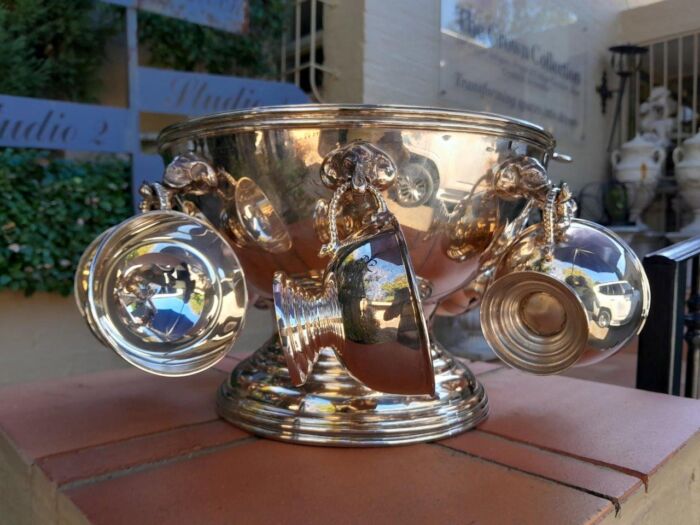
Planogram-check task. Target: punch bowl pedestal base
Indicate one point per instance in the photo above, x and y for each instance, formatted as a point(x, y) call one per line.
point(333, 409)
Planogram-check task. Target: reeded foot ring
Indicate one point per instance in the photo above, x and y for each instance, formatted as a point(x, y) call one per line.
point(333, 409)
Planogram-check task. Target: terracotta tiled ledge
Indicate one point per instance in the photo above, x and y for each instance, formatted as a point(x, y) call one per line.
point(126, 448)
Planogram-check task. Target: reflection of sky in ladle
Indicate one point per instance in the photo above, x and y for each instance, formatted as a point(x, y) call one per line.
point(595, 253)
point(595, 265)
point(382, 277)
point(389, 278)
point(161, 294)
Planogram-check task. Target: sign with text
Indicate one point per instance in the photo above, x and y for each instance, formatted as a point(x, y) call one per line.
point(182, 93)
point(518, 58)
point(228, 15)
point(38, 123)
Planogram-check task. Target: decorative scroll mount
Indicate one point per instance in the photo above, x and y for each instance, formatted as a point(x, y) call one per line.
point(358, 167)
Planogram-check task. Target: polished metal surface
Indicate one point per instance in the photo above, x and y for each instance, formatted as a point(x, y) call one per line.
point(460, 185)
point(81, 281)
point(367, 310)
point(283, 150)
point(359, 163)
point(574, 305)
point(351, 116)
point(361, 222)
point(165, 291)
point(333, 409)
point(258, 221)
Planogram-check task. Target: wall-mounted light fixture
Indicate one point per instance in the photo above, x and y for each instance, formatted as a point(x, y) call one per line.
point(625, 60)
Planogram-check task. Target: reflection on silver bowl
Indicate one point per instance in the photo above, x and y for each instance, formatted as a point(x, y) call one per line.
point(367, 310)
point(166, 292)
point(274, 182)
point(461, 186)
point(576, 305)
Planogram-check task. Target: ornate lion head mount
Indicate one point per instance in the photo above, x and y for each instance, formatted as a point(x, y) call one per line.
point(190, 174)
point(521, 177)
point(359, 163)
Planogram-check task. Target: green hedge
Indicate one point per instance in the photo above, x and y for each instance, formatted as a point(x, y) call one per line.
point(51, 210)
point(54, 48)
point(178, 44)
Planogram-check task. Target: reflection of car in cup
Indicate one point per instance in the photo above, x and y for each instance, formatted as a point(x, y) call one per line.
point(586, 293)
point(416, 181)
point(544, 311)
point(616, 302)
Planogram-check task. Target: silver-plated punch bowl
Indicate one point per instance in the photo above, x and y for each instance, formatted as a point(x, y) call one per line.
point(464, 187)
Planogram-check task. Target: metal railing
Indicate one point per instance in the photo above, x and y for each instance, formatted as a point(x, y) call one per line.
point(660, 357)
point(671, 63)
point(302, 50)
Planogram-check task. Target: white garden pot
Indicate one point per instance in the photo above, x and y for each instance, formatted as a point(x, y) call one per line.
point(686, 158)
point(638, 165)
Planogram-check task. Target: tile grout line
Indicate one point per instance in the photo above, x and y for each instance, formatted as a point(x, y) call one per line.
point(487, 372)
point(604, 466)
point(144, 467)
point(601, 465)
point(611, 499)
point(126, 439)
point(630, 472)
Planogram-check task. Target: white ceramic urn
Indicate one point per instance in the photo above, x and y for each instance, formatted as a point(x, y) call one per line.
point(638, 165)
point(686, 158)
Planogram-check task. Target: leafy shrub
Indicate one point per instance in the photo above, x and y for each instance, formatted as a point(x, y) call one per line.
point(54, 48)
point(177, 44)
point(51, 210)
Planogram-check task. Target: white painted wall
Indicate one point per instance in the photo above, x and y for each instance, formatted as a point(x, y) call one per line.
point(400, 43)
point(344, 49)
point(402, 51)
point(659, 20)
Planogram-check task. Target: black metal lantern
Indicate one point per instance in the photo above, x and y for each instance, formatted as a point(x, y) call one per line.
point(625, 60)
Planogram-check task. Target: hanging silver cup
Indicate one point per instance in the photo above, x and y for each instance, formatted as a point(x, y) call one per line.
point(81, 282)
point(564, 296)
point(163, 289)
